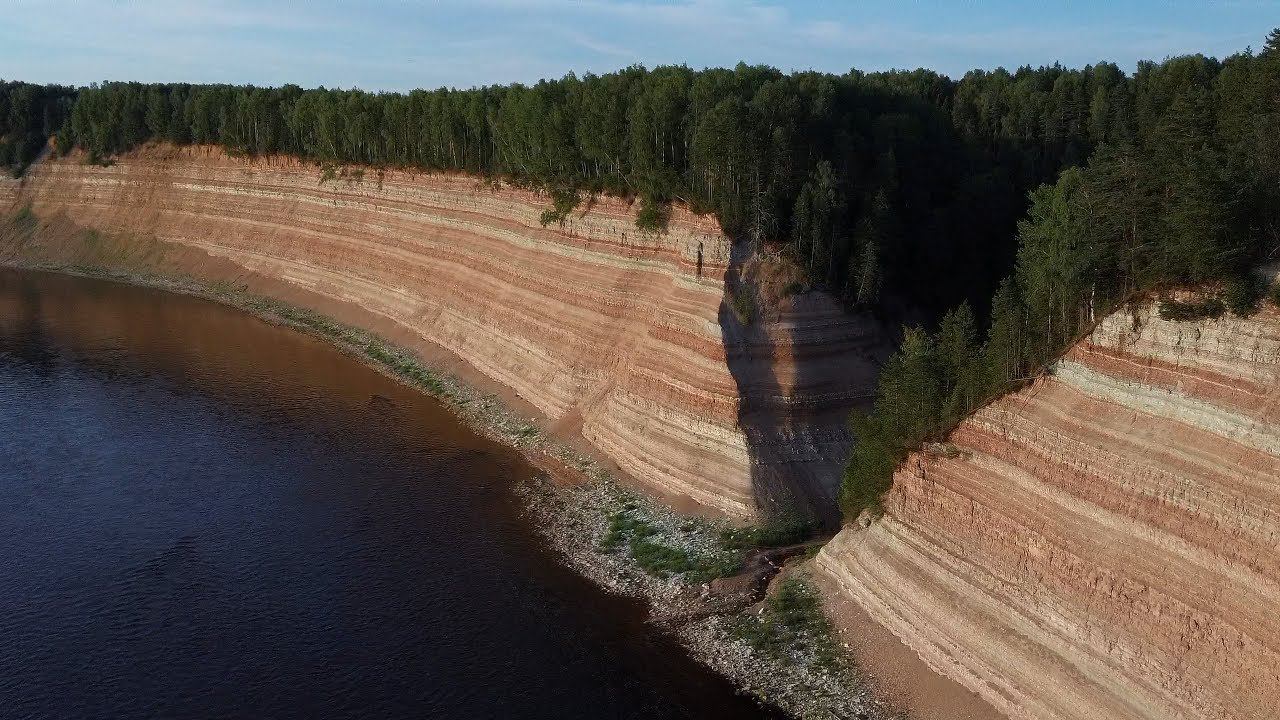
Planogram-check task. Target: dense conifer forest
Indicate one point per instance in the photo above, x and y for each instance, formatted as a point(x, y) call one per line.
point(29, 116)
point(1186, 194)
point(870, 180)
point(1011, 207)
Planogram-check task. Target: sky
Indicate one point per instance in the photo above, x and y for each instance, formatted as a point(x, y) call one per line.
point(400, 45)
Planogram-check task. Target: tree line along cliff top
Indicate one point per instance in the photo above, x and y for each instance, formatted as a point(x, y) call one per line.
point(1007, 209)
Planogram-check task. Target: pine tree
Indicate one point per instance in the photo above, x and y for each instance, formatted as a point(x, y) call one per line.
point(958, 363)
point(1005, 349)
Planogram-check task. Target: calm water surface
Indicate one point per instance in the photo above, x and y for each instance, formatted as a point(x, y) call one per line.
point(203, 515)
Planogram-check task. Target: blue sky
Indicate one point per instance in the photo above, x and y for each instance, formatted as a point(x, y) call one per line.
point(402, 45)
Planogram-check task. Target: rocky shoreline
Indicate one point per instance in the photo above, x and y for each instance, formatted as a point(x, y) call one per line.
point(573, 502)
point(575, 520)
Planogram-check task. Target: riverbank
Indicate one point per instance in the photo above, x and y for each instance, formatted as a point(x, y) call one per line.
point(685, 566)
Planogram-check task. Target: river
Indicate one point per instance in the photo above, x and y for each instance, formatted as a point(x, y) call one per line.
point(206, 515)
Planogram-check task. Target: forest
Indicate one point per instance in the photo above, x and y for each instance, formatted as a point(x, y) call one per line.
point(1189, 198)
point(870, 181)
point(1004, 210)
point(29, 116)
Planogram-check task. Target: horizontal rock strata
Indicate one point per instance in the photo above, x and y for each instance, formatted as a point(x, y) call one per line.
point(618, 334)
point(1104, 543)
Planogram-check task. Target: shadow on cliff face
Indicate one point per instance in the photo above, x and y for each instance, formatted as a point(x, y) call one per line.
point(801, 363)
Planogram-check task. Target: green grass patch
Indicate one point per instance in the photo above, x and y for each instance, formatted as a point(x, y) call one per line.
point(779, 532)
point(659, 558)
point(223, 289)
point(623, 527)
point(25, 219)
point(400, 362)
point(791, 623)
point(1176, 310)
point(743, 305)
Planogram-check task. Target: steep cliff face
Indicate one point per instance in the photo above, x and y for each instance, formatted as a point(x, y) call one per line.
point(620, 335)
point(1104, 543)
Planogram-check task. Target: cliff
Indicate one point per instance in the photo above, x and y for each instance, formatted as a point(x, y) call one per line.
point(620, 337)
point(1103, 543)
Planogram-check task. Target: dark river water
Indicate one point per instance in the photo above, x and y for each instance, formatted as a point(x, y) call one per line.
point(203, 515)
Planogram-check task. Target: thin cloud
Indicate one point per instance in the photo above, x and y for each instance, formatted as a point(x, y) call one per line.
point(596, 46)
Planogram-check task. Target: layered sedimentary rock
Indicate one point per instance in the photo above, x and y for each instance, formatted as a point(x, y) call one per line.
point(1104, 543)
point(611, 332)
point(9, 191)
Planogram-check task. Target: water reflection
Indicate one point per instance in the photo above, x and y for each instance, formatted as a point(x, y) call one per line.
point(205, 515)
